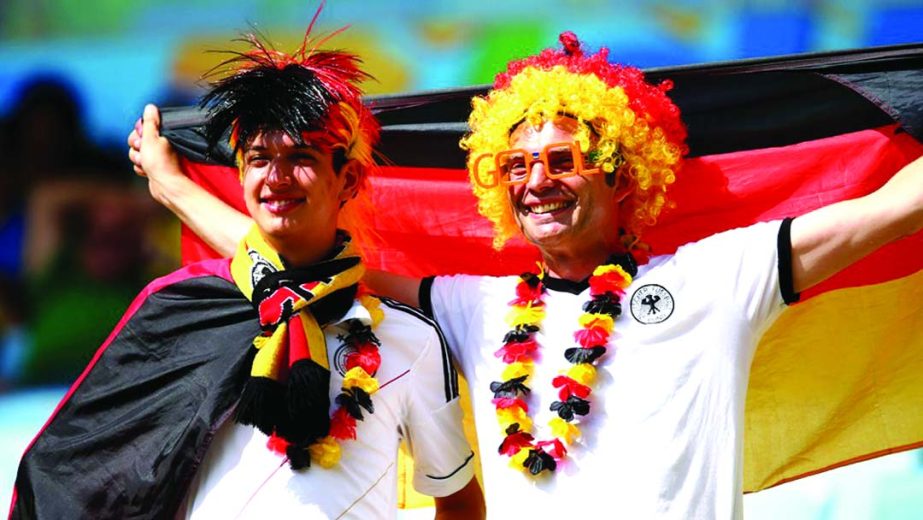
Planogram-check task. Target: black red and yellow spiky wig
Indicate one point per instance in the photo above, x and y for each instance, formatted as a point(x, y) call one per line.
point(312, 95)
point(629, 118)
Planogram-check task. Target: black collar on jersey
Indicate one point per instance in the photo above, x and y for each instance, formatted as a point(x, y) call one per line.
point(625, 260)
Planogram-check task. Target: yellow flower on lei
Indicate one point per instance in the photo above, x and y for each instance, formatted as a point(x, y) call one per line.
point(525, 315)
point(508, 416)
point(517, 369)
point(325, 452)
point(358, 377)
point(564, 430)
point(603, 321)
point(517, 461)
point(583, 373)
point(613, 268)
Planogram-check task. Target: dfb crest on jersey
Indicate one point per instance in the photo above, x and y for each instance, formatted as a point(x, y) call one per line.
point(651, 304)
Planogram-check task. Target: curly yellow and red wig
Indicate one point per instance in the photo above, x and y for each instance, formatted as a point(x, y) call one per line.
point(630, 119)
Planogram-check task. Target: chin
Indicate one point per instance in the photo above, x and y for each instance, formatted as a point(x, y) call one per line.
point(278, 228)
point(541, 237)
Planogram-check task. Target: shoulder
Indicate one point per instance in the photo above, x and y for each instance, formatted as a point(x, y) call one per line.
point(407, 325)
point(756, 231)
point(184, 290)
point(728, 243)
point(193, 300)
point(460, 287)
point(470, 279)
point(217, 272)
point(407, 333)
point(410, 325)
point(406, 315)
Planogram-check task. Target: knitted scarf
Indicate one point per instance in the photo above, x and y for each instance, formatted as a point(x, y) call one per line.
point(287, 394)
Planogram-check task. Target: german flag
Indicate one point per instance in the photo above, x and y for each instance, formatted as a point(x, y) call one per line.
point(836, 379)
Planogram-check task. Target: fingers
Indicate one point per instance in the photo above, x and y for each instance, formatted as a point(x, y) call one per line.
point(134, 140)
point(150, 128)
point(135, 157)
point(134, 149)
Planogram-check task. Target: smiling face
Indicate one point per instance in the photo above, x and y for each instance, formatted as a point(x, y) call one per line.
point(575, 215)
point(294, 195)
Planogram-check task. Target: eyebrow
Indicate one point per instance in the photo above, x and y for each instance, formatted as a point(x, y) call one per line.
point(299, 147)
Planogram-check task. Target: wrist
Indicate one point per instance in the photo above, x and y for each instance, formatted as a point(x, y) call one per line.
point(170, 187)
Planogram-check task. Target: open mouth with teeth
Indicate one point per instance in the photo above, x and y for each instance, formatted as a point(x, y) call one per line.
point(548, 207)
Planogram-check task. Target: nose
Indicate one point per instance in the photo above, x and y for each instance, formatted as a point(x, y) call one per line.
point(537, 180)
point(278, 177)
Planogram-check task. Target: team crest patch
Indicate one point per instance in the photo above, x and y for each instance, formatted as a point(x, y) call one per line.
point(339, 357)
point(651, 304)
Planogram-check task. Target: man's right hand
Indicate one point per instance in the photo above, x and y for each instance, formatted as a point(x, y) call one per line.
point(153, 157)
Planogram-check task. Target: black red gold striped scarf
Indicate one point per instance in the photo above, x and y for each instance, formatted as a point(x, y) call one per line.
point(287, 393)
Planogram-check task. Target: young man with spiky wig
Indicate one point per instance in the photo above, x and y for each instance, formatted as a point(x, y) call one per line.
point(618, 379)
point(270, 383)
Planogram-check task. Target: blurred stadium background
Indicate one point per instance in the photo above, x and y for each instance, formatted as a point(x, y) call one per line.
point(79, 236)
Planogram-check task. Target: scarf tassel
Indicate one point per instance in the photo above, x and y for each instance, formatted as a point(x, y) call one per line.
point(298, 456)
point(262, 404)
point(308, 402)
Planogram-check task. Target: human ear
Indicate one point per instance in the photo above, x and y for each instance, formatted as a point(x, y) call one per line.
point(624, 186)
point(351, 172)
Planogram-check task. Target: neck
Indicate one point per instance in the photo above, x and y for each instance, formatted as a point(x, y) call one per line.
point(303, 251)
point(573, 267)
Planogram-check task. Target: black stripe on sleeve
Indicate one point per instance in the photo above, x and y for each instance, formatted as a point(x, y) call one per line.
point(449, 374)
point(786, 280)
point(471, 456)
point(425, 296)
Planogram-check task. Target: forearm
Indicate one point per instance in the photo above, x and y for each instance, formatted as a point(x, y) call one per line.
point(470, 513)
point(465, 504)
point(900, 201)
point(218, 224)
point(831, 238)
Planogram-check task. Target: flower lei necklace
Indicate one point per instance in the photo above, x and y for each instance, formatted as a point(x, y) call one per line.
point(519, 353)
point(359, 384)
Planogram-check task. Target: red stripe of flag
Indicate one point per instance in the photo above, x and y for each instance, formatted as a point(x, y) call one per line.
point(427, 223)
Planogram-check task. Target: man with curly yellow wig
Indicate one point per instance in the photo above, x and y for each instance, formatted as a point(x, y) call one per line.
point(609, 382)
point(613, 383)
point(615, 117)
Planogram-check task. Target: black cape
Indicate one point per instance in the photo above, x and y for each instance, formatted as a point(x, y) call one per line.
point(128, 437)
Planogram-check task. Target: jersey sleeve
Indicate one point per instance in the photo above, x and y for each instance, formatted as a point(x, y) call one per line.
point(443, 460)
point(451, 301)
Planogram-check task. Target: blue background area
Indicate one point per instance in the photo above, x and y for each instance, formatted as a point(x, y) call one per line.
point(131, 57)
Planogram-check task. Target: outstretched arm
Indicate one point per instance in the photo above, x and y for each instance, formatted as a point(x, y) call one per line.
point(401, 288)
point(829, 239)
point(220, 225)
